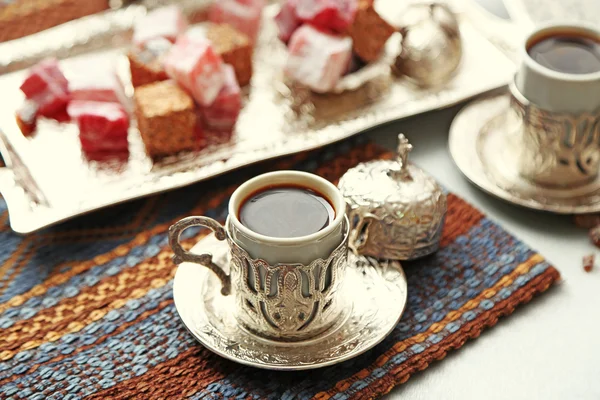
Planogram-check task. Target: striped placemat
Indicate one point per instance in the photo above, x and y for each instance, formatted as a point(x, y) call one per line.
point(86, 308)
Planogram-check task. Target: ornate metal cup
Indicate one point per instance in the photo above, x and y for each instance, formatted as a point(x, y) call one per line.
point(556, 148)
point(285, 288)
point(558, 140)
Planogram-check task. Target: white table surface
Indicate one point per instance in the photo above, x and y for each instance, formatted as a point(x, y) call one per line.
point(547, 349)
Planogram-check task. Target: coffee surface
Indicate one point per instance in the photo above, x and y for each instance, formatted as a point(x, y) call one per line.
point(286, 212)
point(568, 53)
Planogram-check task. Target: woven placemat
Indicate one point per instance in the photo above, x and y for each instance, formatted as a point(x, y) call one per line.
point(86, 309)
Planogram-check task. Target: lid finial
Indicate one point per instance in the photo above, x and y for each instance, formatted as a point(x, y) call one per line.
point(404, 147)
point(401, 172)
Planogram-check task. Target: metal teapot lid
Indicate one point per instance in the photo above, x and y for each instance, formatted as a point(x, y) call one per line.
point(388, 181)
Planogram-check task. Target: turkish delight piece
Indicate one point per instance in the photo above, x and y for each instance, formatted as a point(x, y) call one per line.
point(336, 15)
point(47, 71)
point(233, 46)
point(98, 85)
point(51, 101)
point(317, 59)
point(197, 67)
point(287, 20)
point(595, 235)
point(243, 15)
point(22, 18)
point(47, 87)
point(588, 262)
point(166, 117)
point(222, 114)
point(587, 221)
point(102, 126)
point(146, 64)
point(26, 117)
point(165, 22)
point(369, 32)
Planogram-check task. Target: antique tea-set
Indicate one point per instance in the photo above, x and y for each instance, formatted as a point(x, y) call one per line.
point(308, 275)
point(290, 294)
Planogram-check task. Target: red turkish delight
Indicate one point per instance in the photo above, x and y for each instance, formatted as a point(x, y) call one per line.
point(41, 75)
point(47, 87)
point(99, 85)
point(287, 20)
point(165, 22)
point(222, 114)
point(197, 67)
point(102, 126)
point(317, 59)
point(243, 15)
point(335, 15)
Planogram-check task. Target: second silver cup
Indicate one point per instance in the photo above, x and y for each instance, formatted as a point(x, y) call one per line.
point(558, 142)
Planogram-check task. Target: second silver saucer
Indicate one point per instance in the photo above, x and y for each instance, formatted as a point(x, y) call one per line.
point(376, 294)
point(479, 145)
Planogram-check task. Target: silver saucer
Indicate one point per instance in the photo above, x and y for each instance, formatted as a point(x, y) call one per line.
point(376, 293)
point(481, 147)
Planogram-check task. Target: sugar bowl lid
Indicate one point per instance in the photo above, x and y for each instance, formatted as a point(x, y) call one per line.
point(397, 210)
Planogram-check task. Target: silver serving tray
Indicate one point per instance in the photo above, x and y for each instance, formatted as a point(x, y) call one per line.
point(47, 180)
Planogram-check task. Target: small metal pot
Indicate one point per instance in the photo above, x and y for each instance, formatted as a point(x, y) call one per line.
point(396, 210)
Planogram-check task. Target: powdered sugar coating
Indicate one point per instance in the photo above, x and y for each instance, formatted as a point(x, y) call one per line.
point(223, 113)
point(317, 59)
point(102, 125)
point(243, 15)
point(336, 15)
point(165, 22)
point(195, 66)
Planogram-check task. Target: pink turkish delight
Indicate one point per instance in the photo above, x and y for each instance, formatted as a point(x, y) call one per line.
point(287, 20)
point(243, 15)
point(102, 126)
point(165, 22)
point(47, 88)
point(101, 85)
point(195, 66)
point(222, 114)
point(336, 15)
point(317, 59)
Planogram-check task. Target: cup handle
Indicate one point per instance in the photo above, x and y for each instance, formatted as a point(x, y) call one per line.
point(362, 227)
point(182, 255)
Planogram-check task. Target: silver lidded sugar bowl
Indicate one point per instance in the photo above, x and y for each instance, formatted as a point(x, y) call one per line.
point(396, 210)
point(431, 47)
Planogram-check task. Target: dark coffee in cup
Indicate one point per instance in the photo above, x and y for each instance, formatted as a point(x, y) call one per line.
point(286, 211)
point(567, 51)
